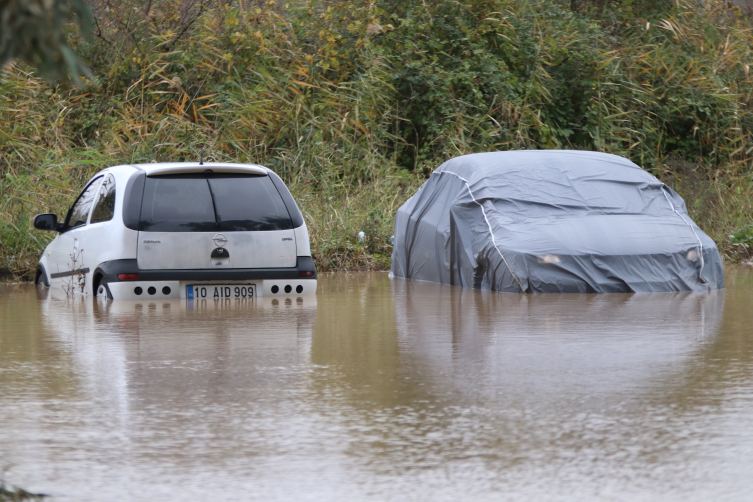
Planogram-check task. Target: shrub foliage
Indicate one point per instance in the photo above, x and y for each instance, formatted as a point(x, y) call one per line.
point(344, 98)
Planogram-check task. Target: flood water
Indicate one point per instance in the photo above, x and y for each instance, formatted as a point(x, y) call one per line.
point(382, 390)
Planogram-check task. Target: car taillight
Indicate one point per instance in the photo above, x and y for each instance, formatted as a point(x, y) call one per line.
point(305, 274)
point(128, 277)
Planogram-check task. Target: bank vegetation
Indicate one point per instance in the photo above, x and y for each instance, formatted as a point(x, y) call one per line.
point(354, 103)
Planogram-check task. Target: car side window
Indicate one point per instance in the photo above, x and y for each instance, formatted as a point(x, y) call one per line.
point(80, 210)
point(104, 208)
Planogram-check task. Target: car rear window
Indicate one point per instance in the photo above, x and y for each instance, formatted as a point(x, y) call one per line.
point(212, 202)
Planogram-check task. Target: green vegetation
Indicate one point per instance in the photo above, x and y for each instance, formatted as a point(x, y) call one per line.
point(34, 31)
point(354, 103)
point(743, 239)
point(744, 236)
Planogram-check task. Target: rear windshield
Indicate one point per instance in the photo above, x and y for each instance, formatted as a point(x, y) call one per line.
point(212, 202)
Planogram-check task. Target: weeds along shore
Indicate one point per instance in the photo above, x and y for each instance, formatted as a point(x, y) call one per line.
point(354, 103)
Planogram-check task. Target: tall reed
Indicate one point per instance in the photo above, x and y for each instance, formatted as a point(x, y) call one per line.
point(354, 103)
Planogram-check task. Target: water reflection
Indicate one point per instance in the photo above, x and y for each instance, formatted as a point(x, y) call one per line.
point(118, 394)
point(423, 341)
point(176, 353)
point(478, 394)
point(530, 350)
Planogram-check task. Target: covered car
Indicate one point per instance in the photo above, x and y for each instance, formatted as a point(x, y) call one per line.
point(550, 221)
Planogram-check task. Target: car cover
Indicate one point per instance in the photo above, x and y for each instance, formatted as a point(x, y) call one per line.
point(550, 221)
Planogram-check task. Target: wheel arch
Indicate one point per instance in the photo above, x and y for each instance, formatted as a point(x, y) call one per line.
point(97, 277)
point(41, 273)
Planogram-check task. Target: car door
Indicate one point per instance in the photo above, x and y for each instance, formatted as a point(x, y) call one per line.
point(102, 242)
point(68, 257)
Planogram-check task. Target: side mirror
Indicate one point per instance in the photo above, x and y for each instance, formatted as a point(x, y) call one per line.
point(46, 222)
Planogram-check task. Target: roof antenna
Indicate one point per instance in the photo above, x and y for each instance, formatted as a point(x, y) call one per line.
point(201, 157)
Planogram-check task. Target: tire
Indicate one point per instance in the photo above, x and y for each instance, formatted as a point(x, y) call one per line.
point(41, 278)
point(100, 287)
point(103, 291)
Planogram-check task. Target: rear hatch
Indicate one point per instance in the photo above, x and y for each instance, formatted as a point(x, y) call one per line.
point(214, 220)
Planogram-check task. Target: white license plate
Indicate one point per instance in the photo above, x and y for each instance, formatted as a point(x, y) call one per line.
point(210, 291)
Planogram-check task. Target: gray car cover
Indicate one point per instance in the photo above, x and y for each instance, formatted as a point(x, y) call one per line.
point(551, 221)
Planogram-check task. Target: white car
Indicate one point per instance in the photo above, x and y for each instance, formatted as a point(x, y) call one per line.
point(180, 230)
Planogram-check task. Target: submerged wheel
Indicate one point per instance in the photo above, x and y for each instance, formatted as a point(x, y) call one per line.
point(41, 278)
point(103, 292)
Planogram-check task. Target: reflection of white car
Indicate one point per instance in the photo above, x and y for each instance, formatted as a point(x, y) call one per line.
point(180, 230)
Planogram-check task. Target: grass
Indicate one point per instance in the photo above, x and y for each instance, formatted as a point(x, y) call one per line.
point(335, 219)
point(354, 103)
point(721, 206)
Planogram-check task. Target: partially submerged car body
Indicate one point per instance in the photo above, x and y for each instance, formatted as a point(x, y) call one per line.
point(168, 230)
point(547, 221)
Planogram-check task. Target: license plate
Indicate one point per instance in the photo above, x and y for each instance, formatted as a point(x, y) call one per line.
point(194, 292)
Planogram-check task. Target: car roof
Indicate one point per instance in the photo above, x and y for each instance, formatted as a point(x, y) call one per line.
point(194, 167)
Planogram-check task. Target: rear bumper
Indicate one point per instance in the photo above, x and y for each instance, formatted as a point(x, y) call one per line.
point(161, 290)
point(172, 283)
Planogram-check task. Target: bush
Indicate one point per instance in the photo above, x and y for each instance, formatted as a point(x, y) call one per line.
point(344, 98)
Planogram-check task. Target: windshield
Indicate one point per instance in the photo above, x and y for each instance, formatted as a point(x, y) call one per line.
point(212, 202)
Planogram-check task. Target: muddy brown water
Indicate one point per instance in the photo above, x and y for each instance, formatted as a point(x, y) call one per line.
point(380, 389)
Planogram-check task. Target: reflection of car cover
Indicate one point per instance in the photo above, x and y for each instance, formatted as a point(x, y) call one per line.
point(546, 221)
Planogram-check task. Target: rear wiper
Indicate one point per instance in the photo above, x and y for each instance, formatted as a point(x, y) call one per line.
point(217, 217)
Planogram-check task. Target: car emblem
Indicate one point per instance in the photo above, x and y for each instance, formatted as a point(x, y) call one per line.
point(220, 240)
